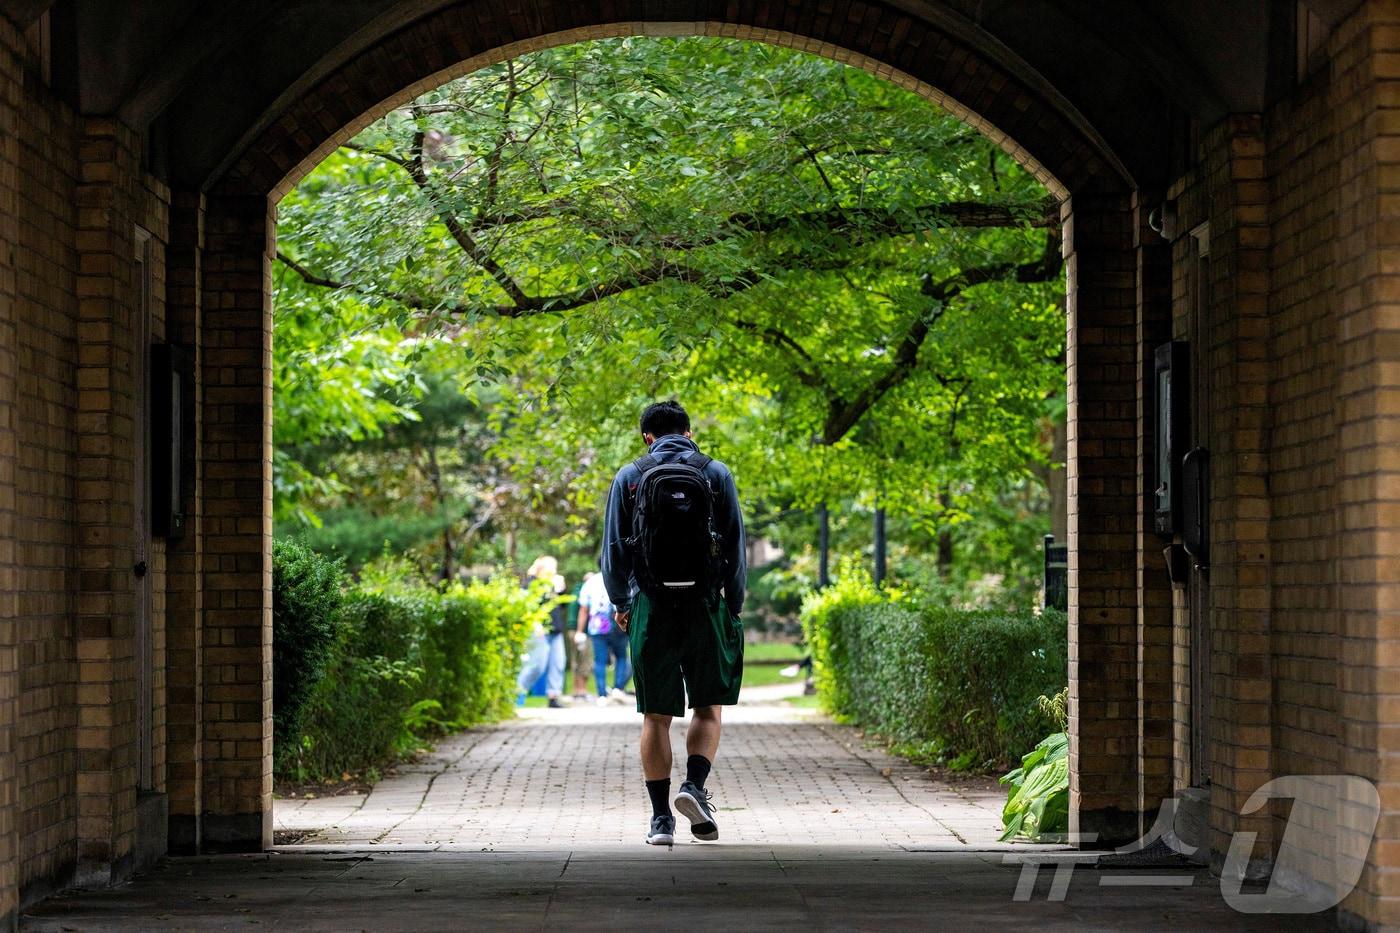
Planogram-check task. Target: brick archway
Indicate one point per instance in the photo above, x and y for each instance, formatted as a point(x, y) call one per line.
point(1117, 304)
point(1009, 104)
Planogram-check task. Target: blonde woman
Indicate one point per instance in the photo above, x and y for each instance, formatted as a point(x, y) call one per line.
point(545, 652)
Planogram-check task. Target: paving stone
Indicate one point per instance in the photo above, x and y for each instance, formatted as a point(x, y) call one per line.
point(572, 778)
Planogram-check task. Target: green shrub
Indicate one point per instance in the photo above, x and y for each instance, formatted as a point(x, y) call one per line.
point(410, 661)
point(1037, 804)
point(474, 643)
point(306, 612)
point(956, 685)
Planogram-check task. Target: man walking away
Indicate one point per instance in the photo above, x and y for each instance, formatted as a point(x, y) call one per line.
point(673, 564)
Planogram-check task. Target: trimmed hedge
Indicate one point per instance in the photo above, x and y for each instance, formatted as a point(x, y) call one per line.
point(307, 600)
point(959, 686)
point(405, 662)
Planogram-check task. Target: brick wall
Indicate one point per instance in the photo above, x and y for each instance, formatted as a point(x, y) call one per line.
point(185, 558)
point(236, 368)
point(1298, 343)
point(1235, 354)
point(38, 403)
point(70, 195)
point(1101, 361)
point(1302, 347)
point(1363, 100)
point(114, 199)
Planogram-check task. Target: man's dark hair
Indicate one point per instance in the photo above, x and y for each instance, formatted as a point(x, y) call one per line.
point(662, 418)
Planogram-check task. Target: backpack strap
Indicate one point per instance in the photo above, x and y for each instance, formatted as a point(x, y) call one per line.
point(646, 463)
point(699, 461)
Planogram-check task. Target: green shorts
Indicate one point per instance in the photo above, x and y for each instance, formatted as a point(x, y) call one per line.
point(685, 649)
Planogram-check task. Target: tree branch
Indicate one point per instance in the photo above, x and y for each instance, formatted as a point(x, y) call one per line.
point(805, 369)
point(844, 413)
point(969, 214)
point(416, 302)
point(377, 153)
point(664, 269)
point(493, 161)
point(459, 233)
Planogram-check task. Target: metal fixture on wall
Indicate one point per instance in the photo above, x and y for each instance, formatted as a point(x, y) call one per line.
point(172, 434)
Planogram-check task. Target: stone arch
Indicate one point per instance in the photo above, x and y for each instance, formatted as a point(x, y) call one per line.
point(1117, 775)
point(999, 96)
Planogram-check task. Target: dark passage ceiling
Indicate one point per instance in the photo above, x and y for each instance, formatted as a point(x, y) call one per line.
point(209, 74)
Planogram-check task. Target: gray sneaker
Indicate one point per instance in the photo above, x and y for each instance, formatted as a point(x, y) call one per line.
point(693, 803)
point(662, 832)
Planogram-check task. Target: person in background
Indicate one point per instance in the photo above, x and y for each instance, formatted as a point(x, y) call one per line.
point(546, 647)
point(595, 623)
point(580, 657)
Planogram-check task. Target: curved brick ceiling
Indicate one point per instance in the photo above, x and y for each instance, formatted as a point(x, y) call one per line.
point(212, 80)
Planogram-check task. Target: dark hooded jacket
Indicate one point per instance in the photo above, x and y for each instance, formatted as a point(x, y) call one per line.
point(729, 525)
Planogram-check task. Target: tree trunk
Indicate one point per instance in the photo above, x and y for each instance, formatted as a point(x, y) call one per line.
point(945, 539)
point(823, 547)
point(879, 545)
point(447, 569)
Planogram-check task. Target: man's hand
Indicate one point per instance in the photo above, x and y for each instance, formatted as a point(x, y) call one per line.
point(622, 617)
point(580, 639)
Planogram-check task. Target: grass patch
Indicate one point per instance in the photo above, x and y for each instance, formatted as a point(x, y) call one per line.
point(787, 651)
point(765, 675)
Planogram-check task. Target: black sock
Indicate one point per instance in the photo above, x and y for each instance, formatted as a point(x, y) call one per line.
point(660, 793)
point(697, 768)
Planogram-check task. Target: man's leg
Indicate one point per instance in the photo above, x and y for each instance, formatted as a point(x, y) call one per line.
point(701, 744)
point(656, 747)
point(660, 697)
point(714, 668)
point(702, 738)
point(656, 768)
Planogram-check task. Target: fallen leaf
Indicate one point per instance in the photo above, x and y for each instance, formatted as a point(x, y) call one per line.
point(885, 773)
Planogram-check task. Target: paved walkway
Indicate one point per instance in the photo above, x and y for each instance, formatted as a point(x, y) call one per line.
point(537, 824)
point(562, 778)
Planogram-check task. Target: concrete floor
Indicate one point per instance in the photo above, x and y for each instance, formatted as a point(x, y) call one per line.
point(536, 824)
point(635, 888)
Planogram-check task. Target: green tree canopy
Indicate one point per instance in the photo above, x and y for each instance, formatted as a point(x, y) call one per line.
point(855, 293)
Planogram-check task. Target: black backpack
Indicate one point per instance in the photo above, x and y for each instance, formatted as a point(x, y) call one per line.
point(674, 545)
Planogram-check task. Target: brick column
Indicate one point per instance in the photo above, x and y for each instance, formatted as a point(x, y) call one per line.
point(236, 368)
point(1235, 347)
point(107, 688)
point(185, 557)
point(1104, 502)
point(11, 76)
point(1366, 89)
point(1154, 601)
